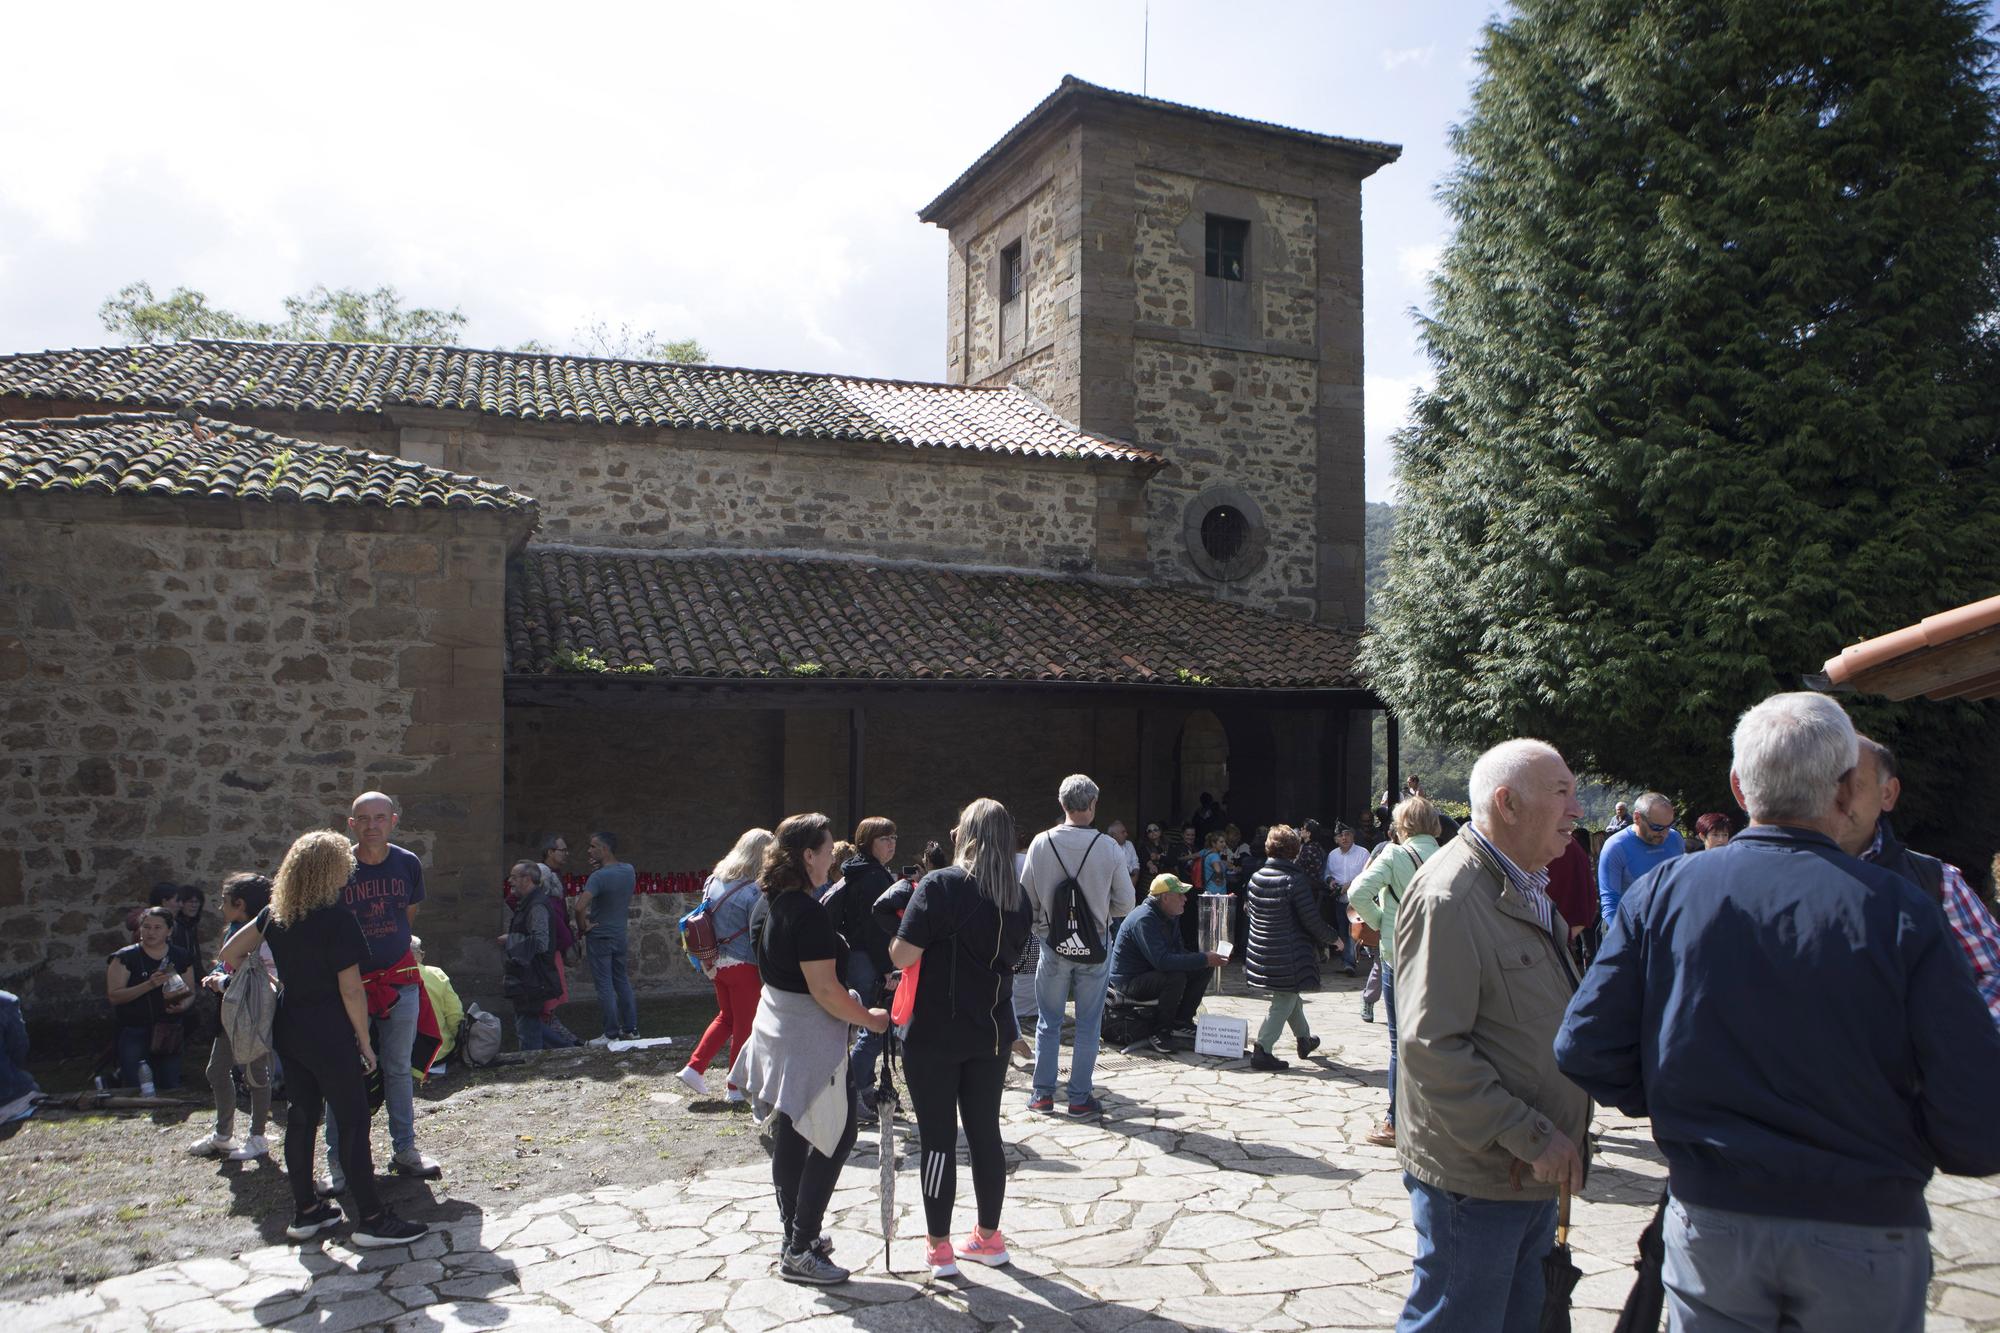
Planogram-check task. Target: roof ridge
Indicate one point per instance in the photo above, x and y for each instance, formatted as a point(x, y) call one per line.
point(525, 356)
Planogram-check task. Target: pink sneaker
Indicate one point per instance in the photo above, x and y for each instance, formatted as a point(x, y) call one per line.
point(989, 1250)
point(943, 1263)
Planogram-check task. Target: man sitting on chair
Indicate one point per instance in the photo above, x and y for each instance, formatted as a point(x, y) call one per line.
point(1150, 963)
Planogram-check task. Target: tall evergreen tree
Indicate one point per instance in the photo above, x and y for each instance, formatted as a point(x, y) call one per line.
point(1716, 391)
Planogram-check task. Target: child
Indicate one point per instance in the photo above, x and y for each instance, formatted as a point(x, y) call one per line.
point(244, 895)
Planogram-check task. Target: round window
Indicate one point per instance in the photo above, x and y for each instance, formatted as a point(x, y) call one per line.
point(1224, 532)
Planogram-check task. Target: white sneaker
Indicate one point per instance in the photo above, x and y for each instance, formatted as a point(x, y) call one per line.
point(599, 1042)
point(736, 1096)
point(692, 1077)
point(253, 1147)
point(327, 1186)
point(211, 1145)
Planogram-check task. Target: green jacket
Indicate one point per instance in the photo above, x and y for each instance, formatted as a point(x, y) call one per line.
point(1378, 890)
point(1480, 992)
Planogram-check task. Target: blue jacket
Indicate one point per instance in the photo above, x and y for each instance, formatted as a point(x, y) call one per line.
point(1799, 1025)
point(1150, 941)
point(732, 918)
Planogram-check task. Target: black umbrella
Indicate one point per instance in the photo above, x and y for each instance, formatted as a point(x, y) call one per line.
point(1559, 1273)
point(1649, 1291)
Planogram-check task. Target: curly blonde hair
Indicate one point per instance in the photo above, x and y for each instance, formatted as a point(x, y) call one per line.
point(314, 872)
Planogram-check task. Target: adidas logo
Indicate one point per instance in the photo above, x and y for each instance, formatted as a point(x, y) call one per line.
point(1073, 945)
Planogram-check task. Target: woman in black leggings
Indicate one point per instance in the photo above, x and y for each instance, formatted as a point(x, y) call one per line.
point(321, 1033)
point(971, 922)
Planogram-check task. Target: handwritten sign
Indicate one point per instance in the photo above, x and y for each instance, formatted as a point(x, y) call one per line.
point(1226, 1037)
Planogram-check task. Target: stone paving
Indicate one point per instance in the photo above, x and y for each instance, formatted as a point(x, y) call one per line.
point(1209, 1197)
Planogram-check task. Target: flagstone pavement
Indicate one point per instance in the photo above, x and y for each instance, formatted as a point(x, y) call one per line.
point(1209, 1197)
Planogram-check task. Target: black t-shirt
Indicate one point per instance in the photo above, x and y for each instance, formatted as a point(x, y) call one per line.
point(151, 1007)
point(793, 929)
point(965, 987)
point(312, 952)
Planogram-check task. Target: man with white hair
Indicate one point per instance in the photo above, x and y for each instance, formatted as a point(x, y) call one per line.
point(1649, 841)
point(1487, 1129)
point(1805, 1036)
point(1073, 862)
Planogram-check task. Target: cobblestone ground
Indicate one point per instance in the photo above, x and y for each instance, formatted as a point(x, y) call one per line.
point(1208, 1197)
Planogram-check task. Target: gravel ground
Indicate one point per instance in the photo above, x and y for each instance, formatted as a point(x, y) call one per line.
point(87, 1197)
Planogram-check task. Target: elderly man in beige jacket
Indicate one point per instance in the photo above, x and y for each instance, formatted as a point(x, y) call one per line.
point(1487, 1129)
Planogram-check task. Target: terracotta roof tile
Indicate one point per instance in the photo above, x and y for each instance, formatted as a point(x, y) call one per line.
point(758, 616)
point(160, 453)
point(374, 378)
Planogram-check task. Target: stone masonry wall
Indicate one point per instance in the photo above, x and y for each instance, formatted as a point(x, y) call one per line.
point(700, 490)
point(1037, 205)
point(1168, 256)
point(1239, 419)
point(186, 688)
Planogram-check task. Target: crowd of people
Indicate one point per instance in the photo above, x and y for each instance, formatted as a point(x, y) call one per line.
point(1807, 1009)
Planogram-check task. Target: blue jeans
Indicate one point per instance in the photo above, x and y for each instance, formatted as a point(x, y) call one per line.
point(1733, 1271)
point(528, 1029)
point(1389, 1008)
point(135, 1045)
point(865, 980)
point(1057, 981)
point(395, 1039)
point(614, 988)
point(1479, 1262)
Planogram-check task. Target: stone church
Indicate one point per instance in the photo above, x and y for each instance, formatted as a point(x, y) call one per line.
point(240, 582)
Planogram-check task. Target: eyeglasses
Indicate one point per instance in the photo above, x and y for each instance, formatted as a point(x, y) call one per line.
point(1657, 828)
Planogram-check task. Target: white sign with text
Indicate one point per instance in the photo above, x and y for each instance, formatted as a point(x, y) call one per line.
point(1226, 1037)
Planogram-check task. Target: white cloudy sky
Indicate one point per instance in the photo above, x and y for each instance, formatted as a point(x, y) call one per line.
point(743, 173)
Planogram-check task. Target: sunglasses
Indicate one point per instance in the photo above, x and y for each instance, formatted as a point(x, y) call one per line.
point(1657, 828)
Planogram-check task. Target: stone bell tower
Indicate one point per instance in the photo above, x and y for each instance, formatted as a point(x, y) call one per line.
point(1189, 281)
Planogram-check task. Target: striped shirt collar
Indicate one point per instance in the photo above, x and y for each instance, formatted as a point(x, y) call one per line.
point(1533, 887)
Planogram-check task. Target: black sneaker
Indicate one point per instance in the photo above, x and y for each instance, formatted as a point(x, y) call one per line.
point(1307, 1045)
point(1264, 1060)
point(1184, 1030)
point(1161, 1044)
point(320, 1217)
point(811, 1267)
point(386, 1229)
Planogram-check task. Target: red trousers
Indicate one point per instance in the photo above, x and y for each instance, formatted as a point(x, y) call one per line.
point(736, 992)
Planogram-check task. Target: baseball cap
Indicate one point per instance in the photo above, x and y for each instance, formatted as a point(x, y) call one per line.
point(1167, 884)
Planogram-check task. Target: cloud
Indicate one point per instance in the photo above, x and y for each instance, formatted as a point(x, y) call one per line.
point(1386, 409)
point(1420, 56)
point(1417, 262)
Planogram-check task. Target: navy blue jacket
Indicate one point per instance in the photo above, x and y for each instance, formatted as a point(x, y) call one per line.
point(1150, 941)
point(1801, 1028)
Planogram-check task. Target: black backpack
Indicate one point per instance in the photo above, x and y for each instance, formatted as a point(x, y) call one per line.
point(1073, 933)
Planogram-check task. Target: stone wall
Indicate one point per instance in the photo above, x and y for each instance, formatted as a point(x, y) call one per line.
point(697, 490)
point(1036, 205)
point(1169, 257)
point(186, 687)
point(1231, 418)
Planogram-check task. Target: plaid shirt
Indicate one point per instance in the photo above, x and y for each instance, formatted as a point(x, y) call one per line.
point(1971, 925)
point(1534, 889)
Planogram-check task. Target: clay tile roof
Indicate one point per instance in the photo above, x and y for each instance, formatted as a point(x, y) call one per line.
point(732, 616)
point(1073, 91)
point(372, 379)
point(1954, 654)
point(162, 454)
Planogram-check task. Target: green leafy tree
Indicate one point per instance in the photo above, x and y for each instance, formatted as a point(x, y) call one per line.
point(350, 315)
point(344, 314)
point(1715, 390)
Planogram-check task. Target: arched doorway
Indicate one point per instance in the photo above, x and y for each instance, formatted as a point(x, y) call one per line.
point(1203, 755)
